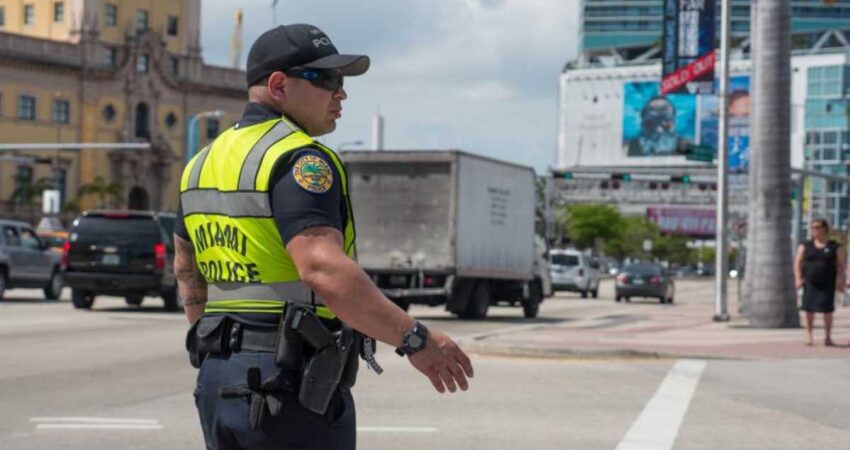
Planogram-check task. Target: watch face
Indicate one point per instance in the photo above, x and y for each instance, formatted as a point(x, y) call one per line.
point(415, 341)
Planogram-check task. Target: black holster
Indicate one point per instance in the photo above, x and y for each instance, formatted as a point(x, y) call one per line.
point(329, 356)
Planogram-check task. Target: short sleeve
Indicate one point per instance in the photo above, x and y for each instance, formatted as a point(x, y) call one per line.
point(179, 225)
point(306, 192)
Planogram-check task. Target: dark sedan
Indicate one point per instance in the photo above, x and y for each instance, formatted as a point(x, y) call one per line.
point(645, 280)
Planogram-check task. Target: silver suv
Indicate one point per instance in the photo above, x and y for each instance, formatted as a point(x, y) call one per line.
point(27, 262)
point(572, 270)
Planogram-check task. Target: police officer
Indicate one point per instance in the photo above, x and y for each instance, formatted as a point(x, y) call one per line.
point(265, 224)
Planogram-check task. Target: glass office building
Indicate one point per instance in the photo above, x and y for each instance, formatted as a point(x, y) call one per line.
point(827, 147)
point(631, 29)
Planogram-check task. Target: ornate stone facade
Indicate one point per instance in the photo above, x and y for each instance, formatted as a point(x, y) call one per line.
point(91, 86)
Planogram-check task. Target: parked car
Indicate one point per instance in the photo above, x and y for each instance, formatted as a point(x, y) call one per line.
point(122, 253)
point(572, 270)
point(55, 240)
point(26, 262)
point(644, 280)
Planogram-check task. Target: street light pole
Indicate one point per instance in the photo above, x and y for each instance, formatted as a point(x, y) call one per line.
point(191, 130)
point(721, 311)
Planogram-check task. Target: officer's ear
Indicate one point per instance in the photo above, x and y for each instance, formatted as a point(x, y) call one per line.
point(276, 86)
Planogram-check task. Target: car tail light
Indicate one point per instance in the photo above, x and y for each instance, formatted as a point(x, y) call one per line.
point(66, 254)
point(655, 280)
point(429, 281)
point(622, 279)
point(581, 272)
point(159, 256)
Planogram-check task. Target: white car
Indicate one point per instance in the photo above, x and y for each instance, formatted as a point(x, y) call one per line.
point(572, 270)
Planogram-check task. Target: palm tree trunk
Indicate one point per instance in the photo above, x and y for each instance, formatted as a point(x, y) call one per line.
point(773, 298)
point(751, 263)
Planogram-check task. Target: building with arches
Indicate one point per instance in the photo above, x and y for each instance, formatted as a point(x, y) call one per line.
point(105, 71)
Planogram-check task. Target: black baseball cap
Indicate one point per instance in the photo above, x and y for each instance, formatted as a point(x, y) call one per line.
point(300, 45)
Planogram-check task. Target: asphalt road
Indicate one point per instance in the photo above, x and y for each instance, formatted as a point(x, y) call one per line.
point(117, 378)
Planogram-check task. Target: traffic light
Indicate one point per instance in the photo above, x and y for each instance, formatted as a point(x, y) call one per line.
point(567, 175)
point(686, 179)
point(621, 176)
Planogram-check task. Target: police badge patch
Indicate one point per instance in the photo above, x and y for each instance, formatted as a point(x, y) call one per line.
point(313, 174)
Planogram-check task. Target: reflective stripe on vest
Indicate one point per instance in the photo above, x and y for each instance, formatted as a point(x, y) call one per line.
point(224, 193)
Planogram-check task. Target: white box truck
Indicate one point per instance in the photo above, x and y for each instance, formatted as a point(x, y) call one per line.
point(448, 228)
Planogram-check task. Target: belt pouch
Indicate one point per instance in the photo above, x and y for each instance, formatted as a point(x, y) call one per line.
point(213, 334)
point(289, 351)
point(196, 357)
point(352, 364)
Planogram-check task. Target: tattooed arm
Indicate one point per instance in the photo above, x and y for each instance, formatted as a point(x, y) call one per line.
point(190, 283)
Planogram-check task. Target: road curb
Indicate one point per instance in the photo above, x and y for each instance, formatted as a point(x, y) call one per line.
point(561, 353)
point(520, 351)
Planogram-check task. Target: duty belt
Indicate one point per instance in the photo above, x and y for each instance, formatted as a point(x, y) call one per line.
point(249, 338)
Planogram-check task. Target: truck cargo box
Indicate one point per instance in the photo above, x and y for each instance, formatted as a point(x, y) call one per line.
point(443, 211)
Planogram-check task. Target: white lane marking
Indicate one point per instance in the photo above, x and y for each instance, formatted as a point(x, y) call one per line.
point(397, 429)
point(29, 322)
point(95, 426)
point(94, 423)
point(94, 420)
point(658, 424)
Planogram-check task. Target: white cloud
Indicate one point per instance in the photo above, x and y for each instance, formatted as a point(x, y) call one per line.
point(479, 75)
point(490, 91)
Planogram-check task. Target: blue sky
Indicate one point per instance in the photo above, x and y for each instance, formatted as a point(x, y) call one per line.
point(475, 75)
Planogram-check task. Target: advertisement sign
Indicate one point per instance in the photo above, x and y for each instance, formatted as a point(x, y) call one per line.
point(688, 221)
point(739, 122)
point(654, 124)
point(688, 54)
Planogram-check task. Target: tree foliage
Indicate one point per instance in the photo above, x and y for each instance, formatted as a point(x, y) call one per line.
point(100, 188)
point(586, 223)
point(624, 236)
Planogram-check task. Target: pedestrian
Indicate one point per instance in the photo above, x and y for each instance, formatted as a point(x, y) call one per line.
point(265, 248)
point(819, 271)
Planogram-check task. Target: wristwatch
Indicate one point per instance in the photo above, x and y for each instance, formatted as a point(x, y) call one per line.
point(413, 340)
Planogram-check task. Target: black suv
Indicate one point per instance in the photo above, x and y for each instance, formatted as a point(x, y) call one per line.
point(123, 253)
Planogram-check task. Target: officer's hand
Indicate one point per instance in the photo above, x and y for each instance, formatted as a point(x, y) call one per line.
point(443, 362)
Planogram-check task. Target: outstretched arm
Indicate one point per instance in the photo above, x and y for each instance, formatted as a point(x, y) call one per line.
point(351, 295)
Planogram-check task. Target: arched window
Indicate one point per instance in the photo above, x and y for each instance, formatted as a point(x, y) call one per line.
point(138, 199)
point(143, 121)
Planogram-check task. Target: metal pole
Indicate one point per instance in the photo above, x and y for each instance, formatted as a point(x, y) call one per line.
point(798, 213)
point(192, 130)
point(189, 151)
point(721, 311)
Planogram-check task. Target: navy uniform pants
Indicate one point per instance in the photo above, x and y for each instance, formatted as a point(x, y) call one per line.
point(226, 422)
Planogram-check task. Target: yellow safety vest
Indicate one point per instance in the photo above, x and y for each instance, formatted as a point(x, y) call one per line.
point(224, 192)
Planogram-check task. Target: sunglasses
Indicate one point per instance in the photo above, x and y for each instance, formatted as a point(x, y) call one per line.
point(325, 79)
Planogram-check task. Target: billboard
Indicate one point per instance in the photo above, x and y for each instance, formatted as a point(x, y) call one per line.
point(687, 221)
point(688, 54)
point(739, 122)
point(655, 124)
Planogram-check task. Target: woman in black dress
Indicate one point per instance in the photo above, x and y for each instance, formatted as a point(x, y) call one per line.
point(819, 270)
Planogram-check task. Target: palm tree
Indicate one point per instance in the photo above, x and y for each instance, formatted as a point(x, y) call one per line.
point(772, 301)
point(26, 190)
point(101, 189)
point(751, 263)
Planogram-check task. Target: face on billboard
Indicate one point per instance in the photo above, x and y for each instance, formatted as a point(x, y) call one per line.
point(656, 125)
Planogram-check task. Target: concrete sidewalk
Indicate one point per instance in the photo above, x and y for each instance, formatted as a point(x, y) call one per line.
point(644, 328)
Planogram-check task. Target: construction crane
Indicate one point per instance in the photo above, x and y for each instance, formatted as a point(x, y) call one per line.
point(236, 40)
